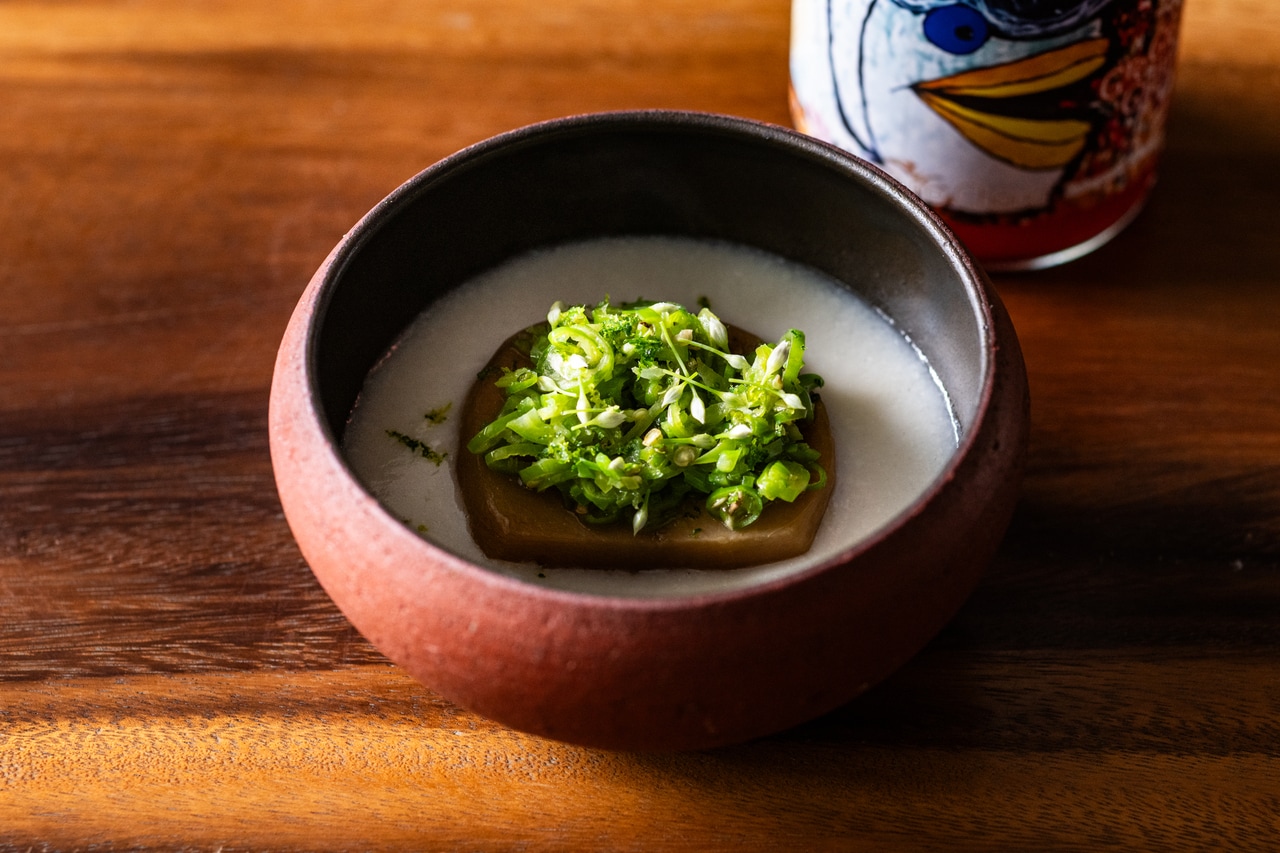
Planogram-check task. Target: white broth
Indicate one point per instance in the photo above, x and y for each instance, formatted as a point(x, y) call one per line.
point(889, 417)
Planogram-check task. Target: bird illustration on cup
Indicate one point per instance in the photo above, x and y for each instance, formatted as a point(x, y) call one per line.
point(989, 107)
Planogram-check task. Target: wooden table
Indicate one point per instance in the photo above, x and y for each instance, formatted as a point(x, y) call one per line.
point(171, 675)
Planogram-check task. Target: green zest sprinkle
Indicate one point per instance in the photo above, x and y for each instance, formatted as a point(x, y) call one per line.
point(419, 447)
point(438, 416)
point(630, 409)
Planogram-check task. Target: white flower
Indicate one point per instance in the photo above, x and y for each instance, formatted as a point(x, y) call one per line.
point(673, 394)
point(610, 418)
point(641, 518)
point(716, 331)
point(554, 313)
point(778, 357)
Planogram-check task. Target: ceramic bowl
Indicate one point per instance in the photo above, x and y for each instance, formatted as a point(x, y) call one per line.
point(647, 673)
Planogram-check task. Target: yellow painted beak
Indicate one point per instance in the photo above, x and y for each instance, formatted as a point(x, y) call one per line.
point(1031, 143)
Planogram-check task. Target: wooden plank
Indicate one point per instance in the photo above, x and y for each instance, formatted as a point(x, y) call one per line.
point(366, 758)
point(172, 677)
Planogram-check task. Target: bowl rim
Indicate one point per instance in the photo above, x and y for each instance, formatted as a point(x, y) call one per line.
point(318, 296)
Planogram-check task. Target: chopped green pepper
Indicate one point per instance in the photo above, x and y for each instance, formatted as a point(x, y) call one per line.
point(629, 409)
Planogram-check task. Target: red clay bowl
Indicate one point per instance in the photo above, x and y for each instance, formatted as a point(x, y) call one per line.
point(648, 673)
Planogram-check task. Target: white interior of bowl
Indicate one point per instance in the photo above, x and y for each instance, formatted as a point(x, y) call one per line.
point(890, 417)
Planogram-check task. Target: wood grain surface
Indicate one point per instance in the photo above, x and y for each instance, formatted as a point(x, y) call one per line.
point(171, 675)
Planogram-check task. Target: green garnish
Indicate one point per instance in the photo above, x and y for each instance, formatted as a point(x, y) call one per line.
point(439, 415)
point(419, 447)
point(628, 410)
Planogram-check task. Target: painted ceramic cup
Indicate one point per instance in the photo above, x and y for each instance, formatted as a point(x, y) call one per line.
point(1032, 127)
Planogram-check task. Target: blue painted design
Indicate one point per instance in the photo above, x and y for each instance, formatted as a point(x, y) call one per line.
point(957, 29)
